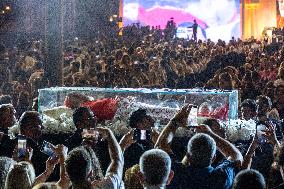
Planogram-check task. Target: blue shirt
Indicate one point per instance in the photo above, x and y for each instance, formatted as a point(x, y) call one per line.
point(189, 177)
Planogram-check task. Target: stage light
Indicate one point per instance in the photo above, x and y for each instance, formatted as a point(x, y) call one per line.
point(115, 16)
point(7, 8)
point(2, 12)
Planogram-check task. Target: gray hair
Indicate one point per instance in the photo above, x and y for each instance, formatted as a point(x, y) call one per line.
point(201, 148)
point(6, 164)
point(21, 176)
point(249, 178)
point(155, 165)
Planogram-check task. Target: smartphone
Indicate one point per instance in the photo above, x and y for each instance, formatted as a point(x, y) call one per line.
point(142, 134)
point(260, 131)
point(22, 148)
point(47, 148)
point(192, 117)
point(90, 134)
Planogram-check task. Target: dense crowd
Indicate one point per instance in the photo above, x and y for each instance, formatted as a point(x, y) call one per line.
point(149, 58)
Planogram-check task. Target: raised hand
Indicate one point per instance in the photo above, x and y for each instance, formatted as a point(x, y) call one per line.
point(270, 133)
point(127, 140)
point(182, 116)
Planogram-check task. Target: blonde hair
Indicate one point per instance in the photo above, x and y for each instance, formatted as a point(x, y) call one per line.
point(21, 176)
point(47, 185)
point(131, 180)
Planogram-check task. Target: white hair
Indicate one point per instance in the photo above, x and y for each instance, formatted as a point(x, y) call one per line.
point(155, 165)
point(201, 148)
point(21, 176)
point(6, 164)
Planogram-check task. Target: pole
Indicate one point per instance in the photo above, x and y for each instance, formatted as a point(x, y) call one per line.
point(53, 41)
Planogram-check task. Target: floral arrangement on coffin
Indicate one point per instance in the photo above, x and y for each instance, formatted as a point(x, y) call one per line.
point(240, 130)
point(115, 113)
point(64, 124)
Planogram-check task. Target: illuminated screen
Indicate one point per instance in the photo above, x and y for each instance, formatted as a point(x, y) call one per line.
point(216, 19)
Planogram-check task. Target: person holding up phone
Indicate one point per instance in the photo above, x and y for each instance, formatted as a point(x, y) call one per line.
point(139, 139)
point(86, 134)
point(79, 165)
point(201, 151)
point(84, 120)
point(263, 157)
point(24, 155)
point(30, 136)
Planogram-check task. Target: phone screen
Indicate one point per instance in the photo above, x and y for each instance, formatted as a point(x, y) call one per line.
point(192, 116)
point(47, 148)
point(142, 134)
point(260, 131)
point(22, 148)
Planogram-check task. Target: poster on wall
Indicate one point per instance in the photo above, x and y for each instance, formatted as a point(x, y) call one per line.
point(216, 19)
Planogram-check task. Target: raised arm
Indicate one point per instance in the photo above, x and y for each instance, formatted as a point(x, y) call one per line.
point(224, 146)
point(248, 156)
point(166, 136)
point(115, 152)
point(50, 165)
point(64, 181)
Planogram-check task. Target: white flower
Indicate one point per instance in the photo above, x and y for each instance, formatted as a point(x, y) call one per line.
point(240, 130)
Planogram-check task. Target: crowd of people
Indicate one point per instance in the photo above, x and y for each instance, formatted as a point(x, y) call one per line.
point(144, 57)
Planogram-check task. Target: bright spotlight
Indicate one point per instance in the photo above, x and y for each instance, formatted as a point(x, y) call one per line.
point(7, 8)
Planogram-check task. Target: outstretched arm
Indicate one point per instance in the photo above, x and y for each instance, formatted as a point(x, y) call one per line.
point(115, 152)
point(224, 146)
point(166, 136)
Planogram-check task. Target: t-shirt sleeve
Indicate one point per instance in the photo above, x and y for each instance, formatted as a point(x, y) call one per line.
point(177, 168)
point(227, 169)
point(111, 181)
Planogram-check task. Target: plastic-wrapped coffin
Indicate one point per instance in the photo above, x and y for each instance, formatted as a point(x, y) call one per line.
point(117, 104)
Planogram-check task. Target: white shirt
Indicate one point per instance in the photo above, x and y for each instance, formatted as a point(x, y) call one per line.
point(112, 181)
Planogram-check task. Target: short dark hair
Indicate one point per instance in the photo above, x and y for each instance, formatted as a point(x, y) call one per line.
point(2, 48)
point(77, 114)
point(26, 118)
point(249, 103)
point(137, 116)
point(5, 99)
point(7, 88)
point(249, 178)
point(78, 164)
point(264, 98)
